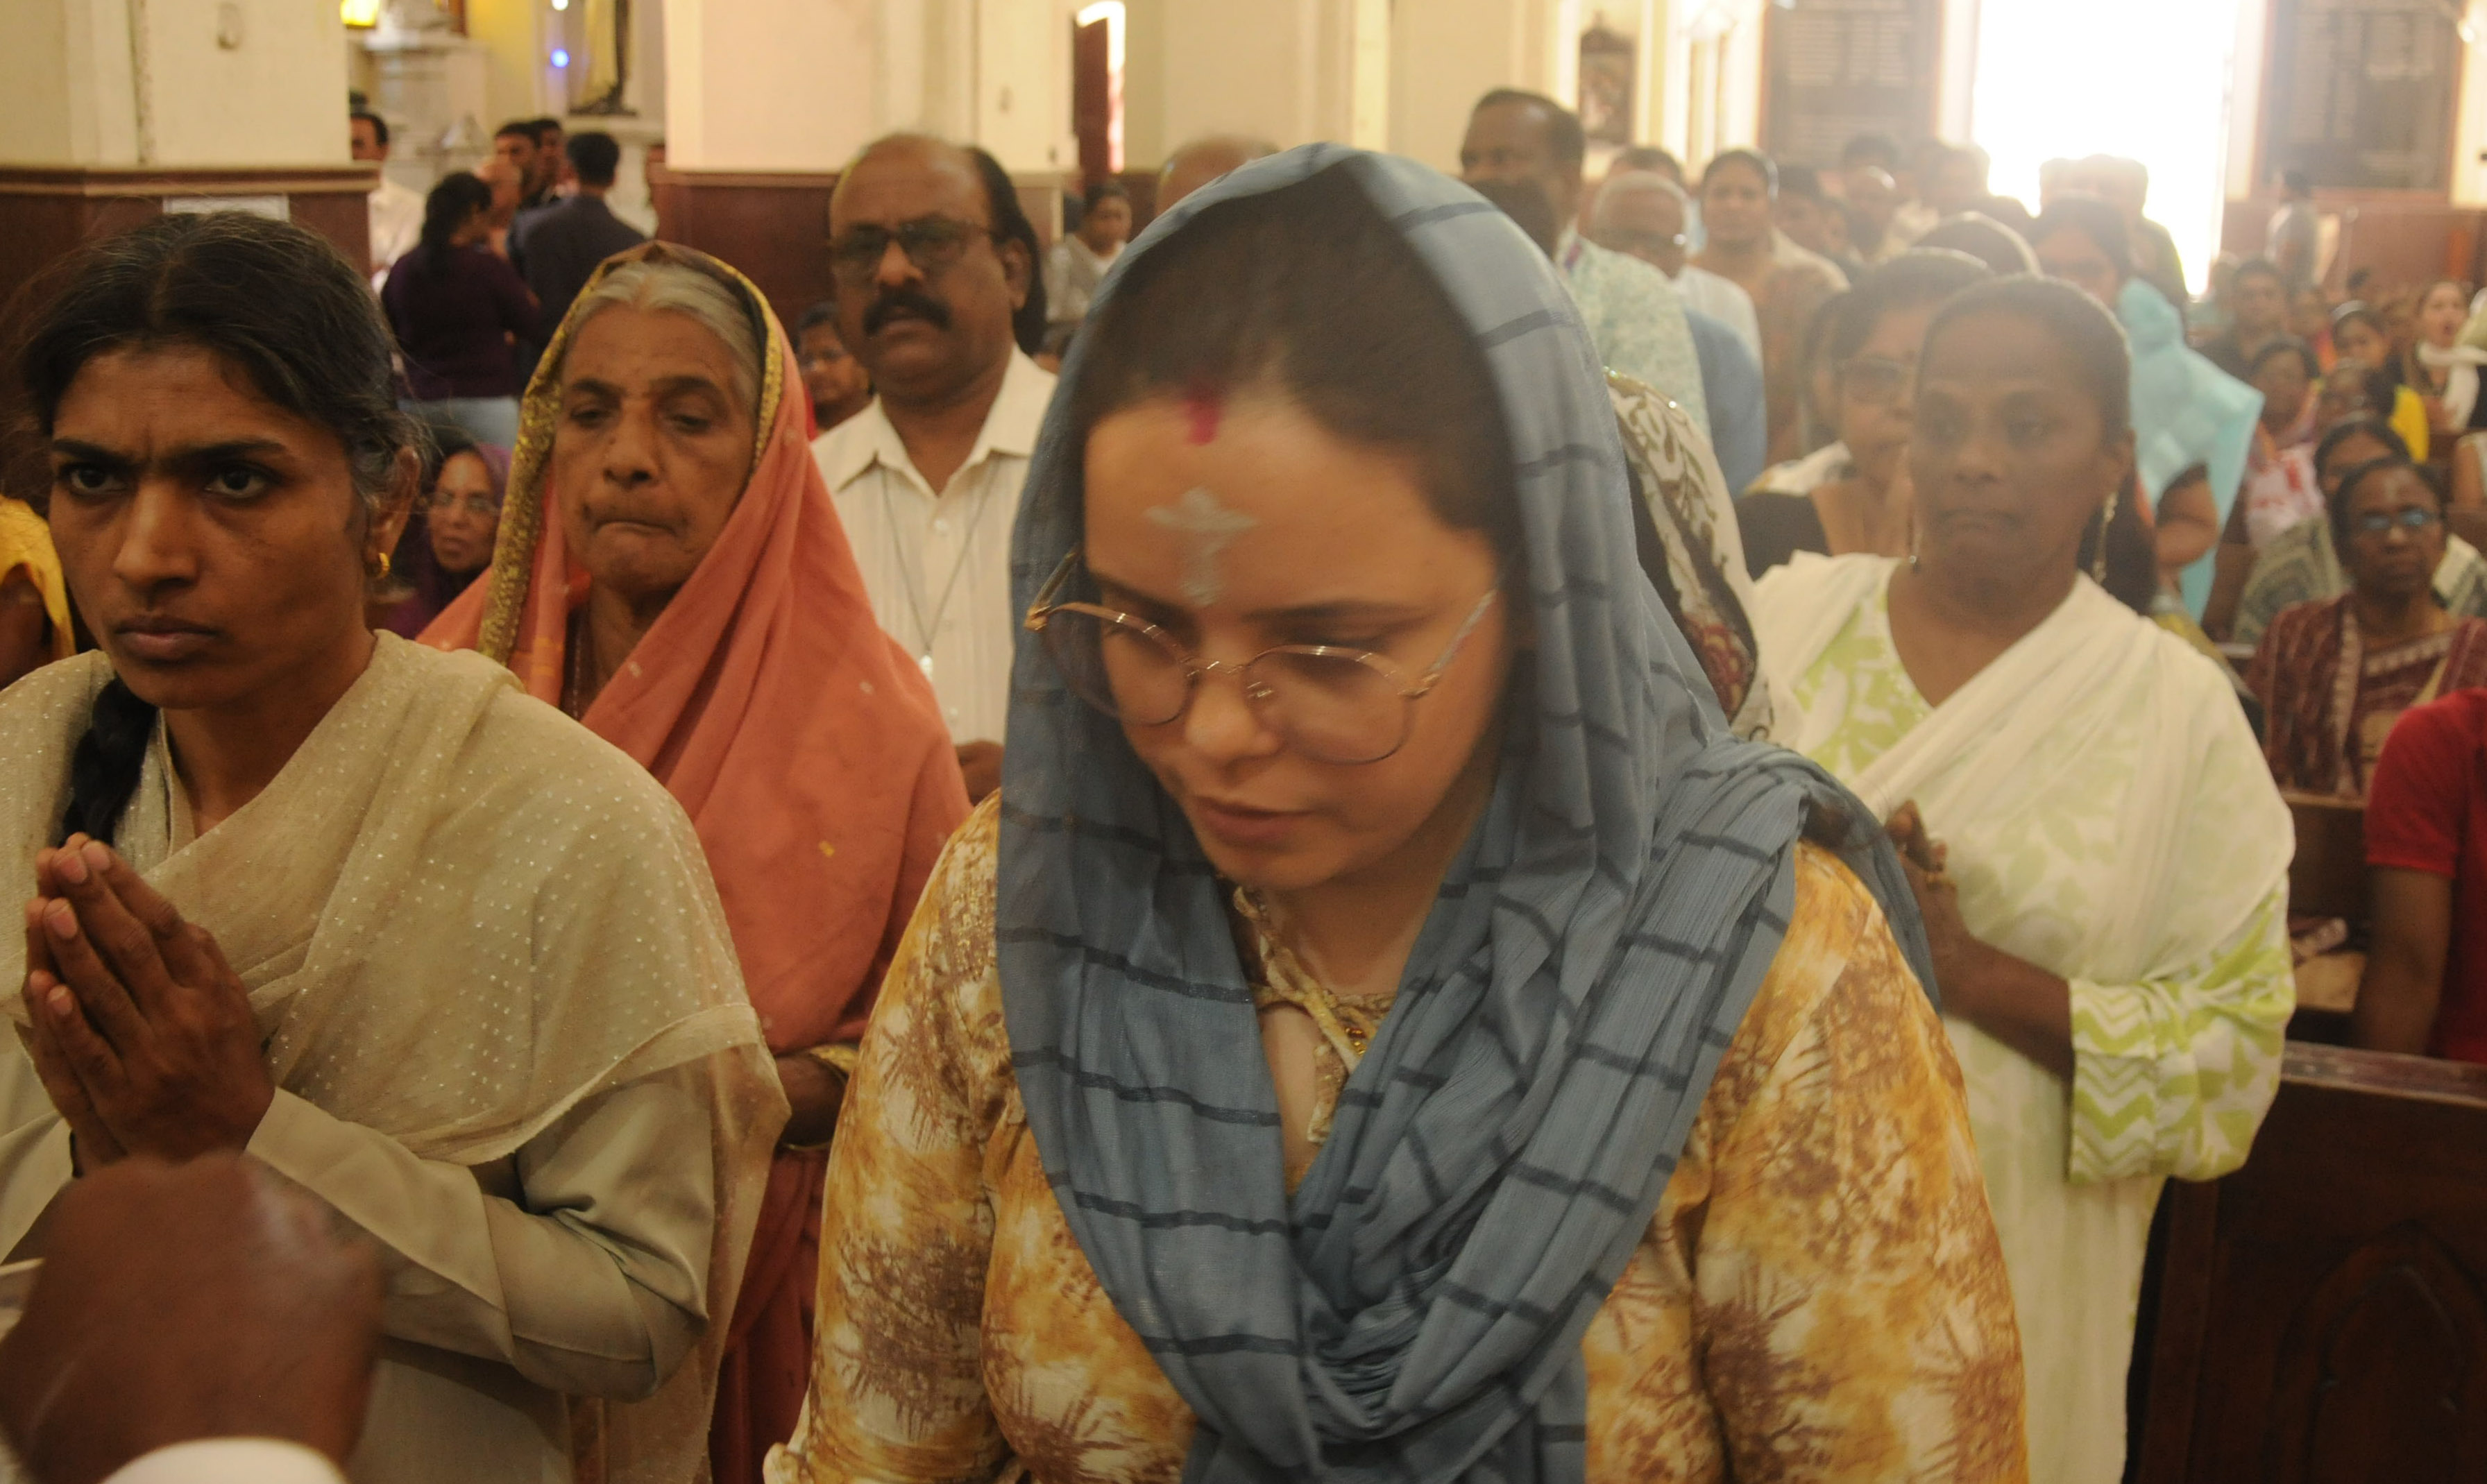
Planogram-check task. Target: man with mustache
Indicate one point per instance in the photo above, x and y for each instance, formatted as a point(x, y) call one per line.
point(939, 295)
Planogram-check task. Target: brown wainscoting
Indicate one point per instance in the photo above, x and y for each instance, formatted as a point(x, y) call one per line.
point(775, 227)
point(2323, 1311)
point(46, 213)
point(2406, 238)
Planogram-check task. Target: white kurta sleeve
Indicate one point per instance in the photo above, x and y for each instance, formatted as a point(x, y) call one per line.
point(588, 1273)
point(228, 1461)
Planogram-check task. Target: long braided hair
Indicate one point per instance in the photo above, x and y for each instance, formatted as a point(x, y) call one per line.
point(279, 305)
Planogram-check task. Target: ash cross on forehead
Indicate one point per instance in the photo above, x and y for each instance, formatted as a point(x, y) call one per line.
point(1212, 528)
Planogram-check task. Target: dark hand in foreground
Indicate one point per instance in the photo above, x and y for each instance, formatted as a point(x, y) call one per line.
point(815, 1091)
point(1956, 951)
point(142, 1033)
point(179, 1303)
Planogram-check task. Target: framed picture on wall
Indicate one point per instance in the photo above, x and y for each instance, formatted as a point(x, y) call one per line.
point(1606, 86)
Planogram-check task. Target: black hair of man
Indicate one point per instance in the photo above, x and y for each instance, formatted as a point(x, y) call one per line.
point(2286, 344)
point(824, 312)
point(2294, 181)
point(546, 130)
point(2258, 267)
point(1872, 147)
point(595, 156)
point(1106, 190)
point(1524, 203)
point(1009, 224)
point(517, 128)
point(1802, 181)
point(1565, 139)
point(380, 125)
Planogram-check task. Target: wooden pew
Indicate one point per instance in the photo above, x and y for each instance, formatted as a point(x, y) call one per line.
point(2322, 1314)
point(2327, 878)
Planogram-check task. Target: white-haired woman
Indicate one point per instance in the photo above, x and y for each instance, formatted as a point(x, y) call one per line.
point(723, 638)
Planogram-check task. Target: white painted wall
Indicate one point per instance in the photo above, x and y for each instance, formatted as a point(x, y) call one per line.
point(772, 85)
point(1445, 56)
point(172, 82)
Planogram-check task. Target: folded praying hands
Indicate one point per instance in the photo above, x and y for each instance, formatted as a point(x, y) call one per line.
point(142, 1034)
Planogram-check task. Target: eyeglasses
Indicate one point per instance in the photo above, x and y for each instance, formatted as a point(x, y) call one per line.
point(2413, 517)
point(1332, 705)
point(472, 504)
point(1875, 380)
point(933, 243)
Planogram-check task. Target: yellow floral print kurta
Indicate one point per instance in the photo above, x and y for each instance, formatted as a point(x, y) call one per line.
point(1820, 1295)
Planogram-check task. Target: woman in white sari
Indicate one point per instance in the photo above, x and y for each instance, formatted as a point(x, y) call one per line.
point(2100, 856)
point(363, 911)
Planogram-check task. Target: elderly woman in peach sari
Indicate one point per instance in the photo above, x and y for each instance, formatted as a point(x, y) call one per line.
point(671, 571)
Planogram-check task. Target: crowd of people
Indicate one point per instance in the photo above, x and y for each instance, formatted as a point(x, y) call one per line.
point(1747, 822)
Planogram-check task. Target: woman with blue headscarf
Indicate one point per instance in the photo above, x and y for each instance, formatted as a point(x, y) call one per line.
point(1388, 1027)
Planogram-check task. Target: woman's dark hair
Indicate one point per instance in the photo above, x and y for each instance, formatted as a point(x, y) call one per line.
point(1988, 241)
point(1753, 160)
point(456, 198)
point(1011, 225)
point(2372, 426)
point(1310, 291)
point(1923, 275)
point(270, 299)
point(2103, 224)
point(2286, 344)
point(2360, 312)
point(2345, 498)
point(439, 443)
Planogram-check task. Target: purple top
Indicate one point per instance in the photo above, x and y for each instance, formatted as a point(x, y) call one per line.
point(452, 326)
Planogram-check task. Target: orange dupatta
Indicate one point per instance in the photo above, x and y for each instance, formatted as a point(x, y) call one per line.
point(807, 749)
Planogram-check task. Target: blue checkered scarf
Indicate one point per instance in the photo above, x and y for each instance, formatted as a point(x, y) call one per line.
point(1416, 1312)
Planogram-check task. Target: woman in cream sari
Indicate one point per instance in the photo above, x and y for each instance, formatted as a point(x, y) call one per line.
point(2101, 857)
point(363, 911)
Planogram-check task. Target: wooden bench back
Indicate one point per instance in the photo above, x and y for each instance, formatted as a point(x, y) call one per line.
point(2323, 1311)
point(2327, 878)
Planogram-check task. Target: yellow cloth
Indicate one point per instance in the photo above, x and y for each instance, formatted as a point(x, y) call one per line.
point(2409, 420)
point(26, 546)
point(510, 1042)
point(1820, 1296)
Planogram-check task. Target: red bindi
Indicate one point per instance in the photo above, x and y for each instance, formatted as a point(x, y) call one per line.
point(1202, 406)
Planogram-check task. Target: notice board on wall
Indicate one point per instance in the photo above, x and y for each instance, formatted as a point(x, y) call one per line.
point(1836, 69)
point(2361, 93)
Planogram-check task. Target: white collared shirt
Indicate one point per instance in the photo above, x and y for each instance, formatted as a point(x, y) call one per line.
point(912, 543)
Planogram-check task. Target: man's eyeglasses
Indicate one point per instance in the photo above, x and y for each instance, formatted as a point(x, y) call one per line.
point(2413, 519)
point(442, 504)
point(1332, 705)
point(1875, 380)
point(933, 243)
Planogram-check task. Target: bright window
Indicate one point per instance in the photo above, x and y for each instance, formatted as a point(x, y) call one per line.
point(2145, 79)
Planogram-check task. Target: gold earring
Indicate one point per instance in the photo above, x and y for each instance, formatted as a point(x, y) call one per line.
point(2098, 558)
point(383, 571)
